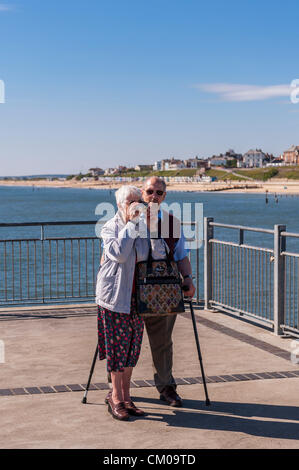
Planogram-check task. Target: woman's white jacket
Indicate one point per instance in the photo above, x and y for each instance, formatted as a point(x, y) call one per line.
point(123, 245)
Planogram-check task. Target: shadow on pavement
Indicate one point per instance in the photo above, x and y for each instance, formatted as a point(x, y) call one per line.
point(232, 417)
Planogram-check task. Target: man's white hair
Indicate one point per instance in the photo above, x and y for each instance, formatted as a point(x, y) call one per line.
point(124, 192)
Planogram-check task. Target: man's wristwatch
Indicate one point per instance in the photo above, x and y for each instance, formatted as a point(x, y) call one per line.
point(188, 276)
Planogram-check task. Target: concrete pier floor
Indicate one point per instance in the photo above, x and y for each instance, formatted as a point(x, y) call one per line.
point(252, 384)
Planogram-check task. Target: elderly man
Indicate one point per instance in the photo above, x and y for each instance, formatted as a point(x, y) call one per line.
point(159, 329)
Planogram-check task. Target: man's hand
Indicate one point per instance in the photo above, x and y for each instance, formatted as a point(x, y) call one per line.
point(191, 289)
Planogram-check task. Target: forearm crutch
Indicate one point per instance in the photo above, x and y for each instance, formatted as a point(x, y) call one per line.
point(198, 351)
point(90, 374)
point(189, 300)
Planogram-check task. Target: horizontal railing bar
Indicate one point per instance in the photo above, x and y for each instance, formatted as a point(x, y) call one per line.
point(48, 301)
point(6, 240)
point(38, 224)
point(289, 328)
point(62, 238)
point(47, 297)
point(80, 222)
point(286, 253)
point(71, 238)
point(257, 248)
point(241, 227)
point(241, 313)
point(47, 238)
point(289, 234)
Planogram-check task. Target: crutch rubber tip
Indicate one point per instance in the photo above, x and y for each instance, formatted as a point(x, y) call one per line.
point(84, 400)
point(208, 403)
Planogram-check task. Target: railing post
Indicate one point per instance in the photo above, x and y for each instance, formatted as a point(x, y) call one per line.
point(279, 276)
point(43, 263)
point(208, 260)
point(197, 262)
point(241, 237)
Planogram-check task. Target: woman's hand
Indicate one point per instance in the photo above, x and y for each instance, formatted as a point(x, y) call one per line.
point(135, 210)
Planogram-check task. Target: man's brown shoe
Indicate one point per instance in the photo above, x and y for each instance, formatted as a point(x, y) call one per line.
point(133, 410)
point(118, 410)
point(169, 395)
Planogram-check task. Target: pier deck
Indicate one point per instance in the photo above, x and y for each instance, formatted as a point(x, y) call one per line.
point(252, 383)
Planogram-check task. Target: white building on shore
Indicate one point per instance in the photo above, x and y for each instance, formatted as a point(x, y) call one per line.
point(253, 159)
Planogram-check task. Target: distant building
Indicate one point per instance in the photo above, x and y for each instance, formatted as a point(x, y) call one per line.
point(269, 157)
point(157, 166)
point(174, 164)
point(143, 167)
point(218, 160)
point(204, 163)
point(232, 155)
point(276, 162)
point(121, 168)
point(191, 162)
point(111, 171)
point(253, 159)
point(168, 164)
point(291, 156)
point(161, 164)
point(196, 163)
point(96, 171)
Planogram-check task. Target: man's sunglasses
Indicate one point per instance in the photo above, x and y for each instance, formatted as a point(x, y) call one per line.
point(159, 192)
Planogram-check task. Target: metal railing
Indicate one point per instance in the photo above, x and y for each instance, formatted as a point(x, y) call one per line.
point(291, 285)
point(255, 282)
point(48, 269)
point(55, 269)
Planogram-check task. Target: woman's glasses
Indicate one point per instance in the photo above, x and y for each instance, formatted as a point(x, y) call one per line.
point(159, 192)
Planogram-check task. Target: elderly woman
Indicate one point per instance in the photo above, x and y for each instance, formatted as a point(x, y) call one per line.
point(120, 329)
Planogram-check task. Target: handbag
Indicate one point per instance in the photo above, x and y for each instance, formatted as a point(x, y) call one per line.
point(158, 287)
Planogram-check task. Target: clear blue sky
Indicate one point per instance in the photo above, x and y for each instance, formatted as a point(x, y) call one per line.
point(102, 83)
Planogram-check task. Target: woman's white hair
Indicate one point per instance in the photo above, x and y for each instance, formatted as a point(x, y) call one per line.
point(124, 192)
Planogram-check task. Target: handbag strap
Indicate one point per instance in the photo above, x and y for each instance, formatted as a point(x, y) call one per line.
point(149, 268)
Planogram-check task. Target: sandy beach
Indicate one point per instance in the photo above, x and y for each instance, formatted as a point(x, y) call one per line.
point(277, 186)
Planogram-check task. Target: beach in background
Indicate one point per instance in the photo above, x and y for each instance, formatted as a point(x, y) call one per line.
point(278, 186)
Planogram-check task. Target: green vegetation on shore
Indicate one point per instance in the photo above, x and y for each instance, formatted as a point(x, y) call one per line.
point(288, 172)
point(264, 174)
point(238, 174)
point(260, 174)
point(235, 174)
point(136, 174)
point(222, 175)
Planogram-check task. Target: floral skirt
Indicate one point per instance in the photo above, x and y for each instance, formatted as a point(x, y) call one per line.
point(120, 337)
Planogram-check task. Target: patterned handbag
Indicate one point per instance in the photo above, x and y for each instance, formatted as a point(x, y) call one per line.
point(158, 287)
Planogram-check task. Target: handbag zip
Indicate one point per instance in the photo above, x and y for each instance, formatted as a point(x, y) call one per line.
point(158, 280)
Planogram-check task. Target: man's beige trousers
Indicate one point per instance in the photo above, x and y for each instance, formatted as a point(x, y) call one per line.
point(159, 331)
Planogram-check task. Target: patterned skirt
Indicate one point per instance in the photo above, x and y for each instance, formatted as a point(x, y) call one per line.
point(120, 337)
